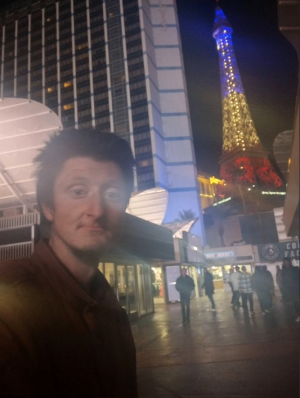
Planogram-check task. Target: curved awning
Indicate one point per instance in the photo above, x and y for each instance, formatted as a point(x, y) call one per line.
point(25, 125)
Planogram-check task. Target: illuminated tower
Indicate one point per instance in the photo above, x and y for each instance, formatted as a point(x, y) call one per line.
point(243, 158)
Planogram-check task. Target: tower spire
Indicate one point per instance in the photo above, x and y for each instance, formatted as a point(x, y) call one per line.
point(243, 156)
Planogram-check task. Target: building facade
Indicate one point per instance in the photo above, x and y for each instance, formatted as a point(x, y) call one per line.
point(116, 65)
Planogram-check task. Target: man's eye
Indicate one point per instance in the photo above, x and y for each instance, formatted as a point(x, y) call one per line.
point(78, 193)
point(112, 196)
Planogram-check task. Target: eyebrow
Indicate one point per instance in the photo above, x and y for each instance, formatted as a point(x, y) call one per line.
point(77, 179)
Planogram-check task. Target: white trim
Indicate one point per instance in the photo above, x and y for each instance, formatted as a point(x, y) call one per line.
point(74, 65)
point(130, 121)
point(15, 59)
point(2, 60)
point(43, 58)
point(29, 58)
point(88, 22)
point(58, 61)
point(111, 118)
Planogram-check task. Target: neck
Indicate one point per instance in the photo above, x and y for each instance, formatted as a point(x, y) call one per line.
point(82, 265)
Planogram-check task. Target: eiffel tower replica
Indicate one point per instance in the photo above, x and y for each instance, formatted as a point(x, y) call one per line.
point(244, 160)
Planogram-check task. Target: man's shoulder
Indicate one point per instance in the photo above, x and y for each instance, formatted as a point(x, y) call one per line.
point(17, 271)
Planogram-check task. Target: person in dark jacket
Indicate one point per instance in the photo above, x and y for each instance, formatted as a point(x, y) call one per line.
point(185, 285)
point(63, 332)
point(290, 284)
point(261, 285)
point(209, 287)
point(270, 287)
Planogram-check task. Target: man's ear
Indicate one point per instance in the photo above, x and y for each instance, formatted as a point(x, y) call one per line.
point(48, 212)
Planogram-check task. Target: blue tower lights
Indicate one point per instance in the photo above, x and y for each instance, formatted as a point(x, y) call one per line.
point(237, 119)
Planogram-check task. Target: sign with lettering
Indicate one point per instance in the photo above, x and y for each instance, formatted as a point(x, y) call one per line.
point(216, 255)
point(272, 252)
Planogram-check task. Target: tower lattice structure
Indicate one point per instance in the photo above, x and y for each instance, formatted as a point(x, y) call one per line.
point(243, 157)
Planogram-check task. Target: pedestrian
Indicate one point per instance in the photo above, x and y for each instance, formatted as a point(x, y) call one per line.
point(231, 286)
point(209, 287)
point(260, 286)
point(245, 289)
point(270, 287)
point(279, 280)
point(185, 285)
point(63, 332)
point(234, 278)
point(290, 283)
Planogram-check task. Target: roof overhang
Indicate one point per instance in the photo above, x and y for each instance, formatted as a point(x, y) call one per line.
point(25, 125)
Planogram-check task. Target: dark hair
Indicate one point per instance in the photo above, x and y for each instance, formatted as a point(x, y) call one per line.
point(74, 143)
point(257, 268)
point(288, 259)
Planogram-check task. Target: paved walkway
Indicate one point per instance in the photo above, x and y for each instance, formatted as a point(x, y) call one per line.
point(226, 354)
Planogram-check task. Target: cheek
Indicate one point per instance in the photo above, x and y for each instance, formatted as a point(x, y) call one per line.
point(116, 217)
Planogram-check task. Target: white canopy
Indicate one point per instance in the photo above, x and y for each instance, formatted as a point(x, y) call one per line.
point(24, 127)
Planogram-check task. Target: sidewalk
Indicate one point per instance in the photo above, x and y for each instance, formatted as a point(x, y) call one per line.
point(226, 354)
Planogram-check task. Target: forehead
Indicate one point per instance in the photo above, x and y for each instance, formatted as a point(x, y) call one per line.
point(90, 170)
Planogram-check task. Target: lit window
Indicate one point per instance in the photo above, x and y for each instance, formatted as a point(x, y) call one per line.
point(67, 84)
point(50, 89)
point(68, 106)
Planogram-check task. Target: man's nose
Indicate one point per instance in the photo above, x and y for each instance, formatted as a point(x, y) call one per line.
point(95, 205)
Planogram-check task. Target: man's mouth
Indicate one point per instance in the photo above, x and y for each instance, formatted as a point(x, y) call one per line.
point(93, 228)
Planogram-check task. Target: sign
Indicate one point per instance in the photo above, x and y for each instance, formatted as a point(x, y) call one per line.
point(272, 252)
point(217, 255)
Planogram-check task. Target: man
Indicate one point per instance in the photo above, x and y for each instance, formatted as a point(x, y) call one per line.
point(290, 284)
point(279, 280)
point(209, 288)
point(234, 278)
point(185, 285)
point(270, 285)
point(228, 280)
point(259, 285)
point(62, 330)
point(246, 290)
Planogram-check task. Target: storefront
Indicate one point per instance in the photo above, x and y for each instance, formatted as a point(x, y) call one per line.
point(271, 254)
point(221, 260)
point(132, 286)
point(127, 267)
point(188, 255)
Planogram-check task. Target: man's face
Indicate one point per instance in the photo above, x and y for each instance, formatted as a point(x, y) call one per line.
point(89, 201)
point(286, 263)
point(183, 272)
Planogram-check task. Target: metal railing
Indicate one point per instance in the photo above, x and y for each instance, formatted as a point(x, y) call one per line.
point(22, 220)
point(15, 251)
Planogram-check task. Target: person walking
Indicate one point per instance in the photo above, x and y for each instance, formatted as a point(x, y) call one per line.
point(270, 287)
point(209, 287)
point(185, 285)
point(279, 280)
point(234, 278)
point(231, 285)
point(245, 289)
point(290, 283)
point(260, 286)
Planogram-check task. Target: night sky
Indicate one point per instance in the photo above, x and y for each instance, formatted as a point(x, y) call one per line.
point(268, 66)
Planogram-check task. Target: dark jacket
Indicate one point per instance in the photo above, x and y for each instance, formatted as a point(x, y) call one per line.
point(185, 285)
point(208, 284)
point(56, 340)
point(290, 282)
point(261, 282)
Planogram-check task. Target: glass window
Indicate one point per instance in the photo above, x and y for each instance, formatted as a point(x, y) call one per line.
point(131, 290)
point(110, 274)
point(100, 267)
point(148, 288)
point(122, 287)
point(141, 289)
